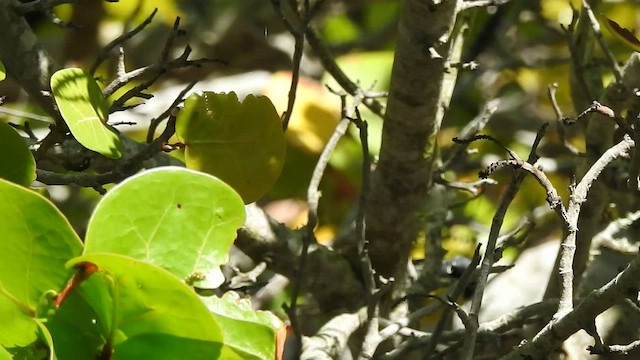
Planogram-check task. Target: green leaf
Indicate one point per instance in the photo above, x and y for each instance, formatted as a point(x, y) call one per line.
point(18, 326)
point(4, 354)
point(241, 143)
point(248, 332)
point(176, 218)
point(84, 109)
point(20, 167)
point(45, 335)
point(37, 241)
point(3, 72)
point(153, 314)
point(81, 326)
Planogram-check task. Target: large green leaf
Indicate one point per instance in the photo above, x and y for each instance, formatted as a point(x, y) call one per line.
point(80, 327)
point(37, 241)
point(152, 313)
point(241, 143)
point(45, 335)
point(176, 218)
point(4, 354)
point(19, 167)
point(84, 109)
point(246, 331)
point(18, 326)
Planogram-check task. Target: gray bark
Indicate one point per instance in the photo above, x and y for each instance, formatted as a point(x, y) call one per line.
point(419, 92)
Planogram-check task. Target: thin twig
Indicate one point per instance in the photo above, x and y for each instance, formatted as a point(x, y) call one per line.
point(602, 110)
point(298, 35)
point(607, 237)
point(40, 5)
point(614, 349)
point(513, 320)
point(26, 128)
point(157, 70)
point(613, 63)
point(454, 294)
point(472, 128)
point(106, 51)
point(473, 138)
point(119, 173)
point(551, 90)
point(329, 63)
point(372, 338)
point(481, 3)
point(23, 114)
point(487, 262)
point(313, 197)
point(153, 124)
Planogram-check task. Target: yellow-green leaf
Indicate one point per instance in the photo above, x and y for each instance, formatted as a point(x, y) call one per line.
point(84, 109)
point(240, 143)
point(3, 72)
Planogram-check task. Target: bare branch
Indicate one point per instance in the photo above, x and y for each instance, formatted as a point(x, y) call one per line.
point(613, 63)
point(466, 5)
point(153, 124)
point(578, 197)
point(551, 90)
point(487, 262)
point(121, 171)
point(119, 41)
point(263, 239)
point(607, 237)
point(596, 107)
point(313, 197)
point(472, 128)
point(555, 332)
point(513, 320)
point(156, 70)
point(332, 338)
point(473, 138)
point(372, 338)
point(329, 64)
point(614, 349)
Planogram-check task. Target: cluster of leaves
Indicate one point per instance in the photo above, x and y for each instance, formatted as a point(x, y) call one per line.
point(130, 283)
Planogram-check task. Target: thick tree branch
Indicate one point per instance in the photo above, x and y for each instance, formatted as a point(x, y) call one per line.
point(331, 281)
point(421, 85)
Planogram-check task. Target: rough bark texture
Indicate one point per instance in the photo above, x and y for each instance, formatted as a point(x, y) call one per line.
point(23, 57)
point(329, 276)
point(414, 112)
